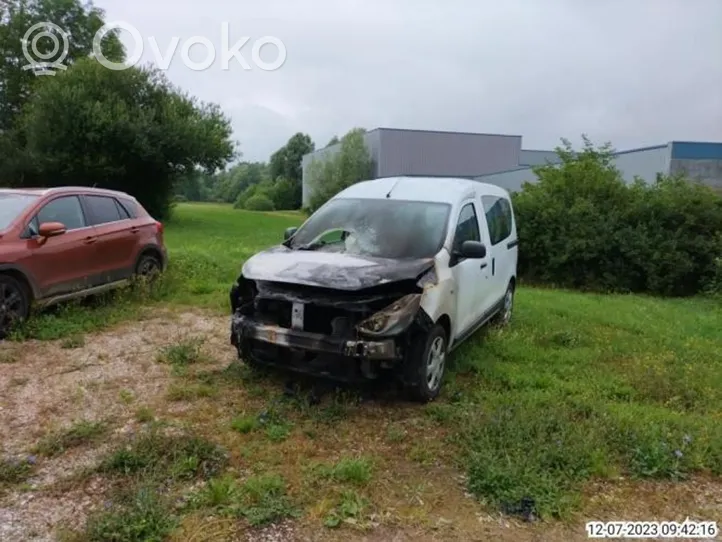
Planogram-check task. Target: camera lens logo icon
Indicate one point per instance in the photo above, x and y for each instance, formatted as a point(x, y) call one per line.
point(45, 61)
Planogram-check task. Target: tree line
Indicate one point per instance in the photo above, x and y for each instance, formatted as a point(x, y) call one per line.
point(278, 183)
point(132, 130)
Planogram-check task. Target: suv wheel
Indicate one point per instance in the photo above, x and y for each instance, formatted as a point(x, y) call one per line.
point(14, 304)
point(427, 365)
point(148, 266)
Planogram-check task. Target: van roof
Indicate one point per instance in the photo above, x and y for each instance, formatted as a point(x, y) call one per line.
point(439, 189)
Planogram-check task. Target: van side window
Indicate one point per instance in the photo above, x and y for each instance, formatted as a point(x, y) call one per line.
point(498, 216)
point(467, 229)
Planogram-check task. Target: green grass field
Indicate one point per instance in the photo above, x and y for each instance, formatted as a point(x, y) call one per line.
point(579, 388)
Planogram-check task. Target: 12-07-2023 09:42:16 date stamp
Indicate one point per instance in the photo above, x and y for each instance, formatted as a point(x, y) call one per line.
point(687, 529)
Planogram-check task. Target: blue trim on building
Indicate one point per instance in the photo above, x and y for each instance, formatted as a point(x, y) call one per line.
point(690, 150)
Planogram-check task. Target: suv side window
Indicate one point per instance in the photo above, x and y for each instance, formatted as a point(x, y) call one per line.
point(128, 206)
point(467, 229)
point(498, 217)
point(66, 209)
point(103, 209)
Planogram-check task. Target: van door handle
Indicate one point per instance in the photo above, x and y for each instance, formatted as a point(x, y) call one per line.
point(90, 240)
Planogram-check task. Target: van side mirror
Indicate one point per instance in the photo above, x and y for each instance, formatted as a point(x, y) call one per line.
point(289, 233)
point(473, 250)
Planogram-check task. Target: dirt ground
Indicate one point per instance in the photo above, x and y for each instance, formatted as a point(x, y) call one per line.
point(46, 386)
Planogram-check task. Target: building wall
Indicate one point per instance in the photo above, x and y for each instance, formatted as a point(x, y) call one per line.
point(699, 161)
point(427, 153)
point(537, 158)
point(511, 180)
point(644, 163)
point(445, 154)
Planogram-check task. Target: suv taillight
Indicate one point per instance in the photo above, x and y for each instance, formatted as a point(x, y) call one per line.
point(159, 226)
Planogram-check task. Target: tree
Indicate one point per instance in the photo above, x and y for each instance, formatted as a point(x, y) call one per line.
point(79, 20)
point(285, 164)
point(333, 141)
point(230, 184)
point(352, 163)
point(128, 130)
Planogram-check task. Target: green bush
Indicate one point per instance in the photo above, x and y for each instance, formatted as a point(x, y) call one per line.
point(583, 227)
point(259, 202)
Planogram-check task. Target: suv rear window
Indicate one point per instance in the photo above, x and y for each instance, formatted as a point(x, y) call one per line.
point(129, 207)
point(104, 209)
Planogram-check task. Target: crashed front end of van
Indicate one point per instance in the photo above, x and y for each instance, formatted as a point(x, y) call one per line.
point(347, 318)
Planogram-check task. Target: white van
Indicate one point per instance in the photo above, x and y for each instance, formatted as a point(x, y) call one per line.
point(388, 277)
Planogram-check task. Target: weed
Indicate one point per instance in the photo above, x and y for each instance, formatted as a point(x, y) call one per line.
point(162, 457)
point(74, 341)
point(8, 357)
point(142, 517)
point(260, 499)
point(421, 453)
point(264, 500)
point(14, 471)
point(356, 471)
point(126, 396)
point(278, 432)
point(186, 352)
point(79, 434)
point(395, 434)
point(144, 415)
point(349, 508)
point(189, 392)
point(244, 424)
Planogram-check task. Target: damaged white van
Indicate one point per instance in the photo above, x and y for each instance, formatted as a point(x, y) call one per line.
point(387, 278)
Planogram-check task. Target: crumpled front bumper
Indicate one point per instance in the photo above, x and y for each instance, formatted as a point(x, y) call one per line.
point(244, 327)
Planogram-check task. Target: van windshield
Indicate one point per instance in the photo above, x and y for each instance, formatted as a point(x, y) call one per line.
point(11, 205)
point(380, 228)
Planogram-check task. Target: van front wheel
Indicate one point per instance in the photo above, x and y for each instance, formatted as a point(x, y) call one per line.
point(426, 365)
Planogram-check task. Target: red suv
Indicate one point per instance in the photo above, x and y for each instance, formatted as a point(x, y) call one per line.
point(61, 243)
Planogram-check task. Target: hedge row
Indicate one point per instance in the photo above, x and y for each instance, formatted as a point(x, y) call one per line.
point(582, 226)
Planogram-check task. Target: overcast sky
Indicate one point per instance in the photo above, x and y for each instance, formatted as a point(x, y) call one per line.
point(633, 72)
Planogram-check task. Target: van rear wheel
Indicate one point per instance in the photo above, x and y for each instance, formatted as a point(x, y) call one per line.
point(503, 317)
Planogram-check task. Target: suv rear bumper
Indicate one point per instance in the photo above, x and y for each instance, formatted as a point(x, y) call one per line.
point(243, 327)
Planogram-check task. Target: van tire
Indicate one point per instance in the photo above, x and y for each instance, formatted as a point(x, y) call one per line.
point(426, 365)
point(503, 317)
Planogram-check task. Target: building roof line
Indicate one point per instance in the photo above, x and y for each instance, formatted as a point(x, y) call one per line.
point(380, 128)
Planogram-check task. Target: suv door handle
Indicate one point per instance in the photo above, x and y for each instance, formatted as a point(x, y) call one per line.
point(483, 265)
point(134, 229)
point(90, 240)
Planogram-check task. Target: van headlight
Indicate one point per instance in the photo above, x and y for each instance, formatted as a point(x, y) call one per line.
point(393, 319)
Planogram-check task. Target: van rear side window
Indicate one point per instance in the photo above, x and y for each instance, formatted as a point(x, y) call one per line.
point(498, 216)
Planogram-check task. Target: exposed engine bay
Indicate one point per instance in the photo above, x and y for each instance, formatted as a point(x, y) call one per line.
point(345, 334)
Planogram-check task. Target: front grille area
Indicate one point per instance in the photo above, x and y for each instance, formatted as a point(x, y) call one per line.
point(316, 318)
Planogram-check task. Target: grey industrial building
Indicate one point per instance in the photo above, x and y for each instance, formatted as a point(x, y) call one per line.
point(501, 160)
